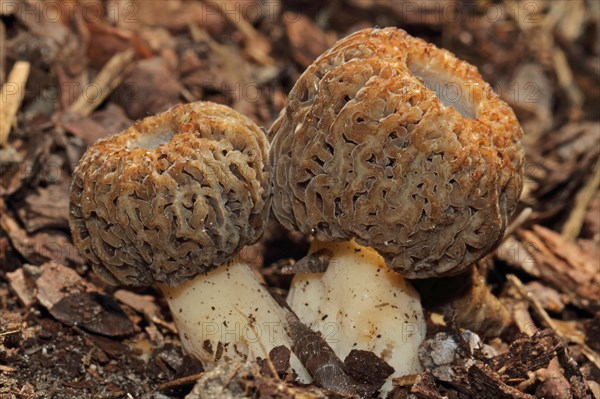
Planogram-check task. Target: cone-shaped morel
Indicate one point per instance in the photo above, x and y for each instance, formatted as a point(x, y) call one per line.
point(170, 202)
point(391, 144)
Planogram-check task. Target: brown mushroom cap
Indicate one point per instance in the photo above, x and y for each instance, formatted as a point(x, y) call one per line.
point(172, 196)
point(398, 144)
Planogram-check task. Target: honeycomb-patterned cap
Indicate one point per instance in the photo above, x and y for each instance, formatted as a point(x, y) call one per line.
point(173, 196)
point(398, 144)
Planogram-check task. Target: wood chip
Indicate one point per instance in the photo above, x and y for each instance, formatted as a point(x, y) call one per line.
point(105, 82)
point(278, 362)
point(235, 380)
point(527, 355)
point(452, 360)
point(46, 208)
point(484, 384)
point(553, 383)
point(40, 247)
point(584, 197)
point(549, 298)
point(566, 81)
point(562, 264)
point(7, 369)
point(519, 220)
point(23, 286)
point(141, 303)
point(367, 367)
point(425, 387)
point(58, 281)
point(548, 322)
point(11, 96)
point(179, 381)
point(2, 52)
point(94, 312)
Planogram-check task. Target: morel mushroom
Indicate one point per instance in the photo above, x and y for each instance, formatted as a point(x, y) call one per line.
point(390, 143)
point(170, 201)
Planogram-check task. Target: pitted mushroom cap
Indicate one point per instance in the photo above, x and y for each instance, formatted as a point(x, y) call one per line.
point(173, 196)
point(398, 144)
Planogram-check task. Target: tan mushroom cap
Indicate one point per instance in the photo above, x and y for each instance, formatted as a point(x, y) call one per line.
point(398, 144)
point(172, 196)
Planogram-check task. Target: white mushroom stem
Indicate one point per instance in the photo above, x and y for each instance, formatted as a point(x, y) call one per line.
point(358, 303)
point(228, 314)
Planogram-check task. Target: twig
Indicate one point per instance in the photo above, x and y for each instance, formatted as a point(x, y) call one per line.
point(12, 94)
point(321, 362)
point(9, 332)
point(53, 388)
point(518, 222)
point(591, 354)
point(2, 52)
point(572, 226)
point(557, 11)
point(232, 375)
point(566, 80)
point(105, 82)
point(198, 34)
point(7, 369)
point(561, 65)
point(536, 305)
point(187, 95)
point(179, 381)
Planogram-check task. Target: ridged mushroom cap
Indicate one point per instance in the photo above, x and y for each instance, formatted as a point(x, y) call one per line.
point(398, 144)
point(173, 196)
